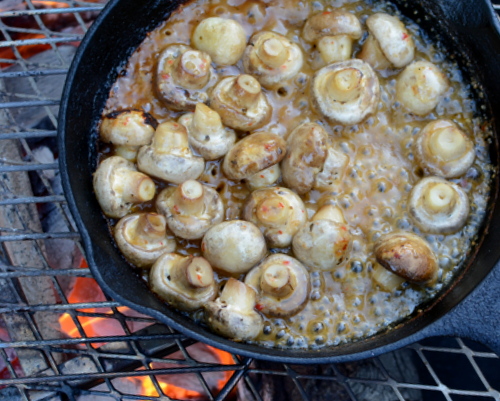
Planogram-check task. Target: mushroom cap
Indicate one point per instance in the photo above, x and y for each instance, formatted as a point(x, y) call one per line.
point(264, 178)
point(166, 281)
point(438, 206)
point(393, 37)
point(190, 222)
point(143, 238)
point(322, 244)
point(272, 58)
point(206, 133)
point(118, 185)
point(444, 149)
point(306, 151)
point(128, 127)
point(183, 90)
point(240, 102)
point(420, 86)
point(223, 39)
point(331, 23)
point(278, 212)
point(232, 315)
point(332, 171)
point(234, 246)
point(282, 285)
point(346, 92)
point(408, 256)
point(169, 156)
point(372, 53)
point(252, 154)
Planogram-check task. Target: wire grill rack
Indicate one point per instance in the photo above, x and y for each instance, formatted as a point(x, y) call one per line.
point(42, 273)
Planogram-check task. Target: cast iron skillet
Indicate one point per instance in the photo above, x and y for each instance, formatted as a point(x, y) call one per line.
point(469, 308)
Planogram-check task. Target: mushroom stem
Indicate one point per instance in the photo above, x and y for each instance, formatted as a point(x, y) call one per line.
point(206, 120)
point(199, 273)
point(189, 198)
point(345, 85)
point(272, 53)
point(329, 212)
point(127, 152)
point(136, 187)
point(439, 198)
point(244, 91)
point(192, 70)
point(277, 281)
point(151, 226)
point(272, 211)
point(171, 138)
point(448, 143)
point(238, 294)
point(335, 48)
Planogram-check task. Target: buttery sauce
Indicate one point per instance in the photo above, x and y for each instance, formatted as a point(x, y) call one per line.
point(345, 304)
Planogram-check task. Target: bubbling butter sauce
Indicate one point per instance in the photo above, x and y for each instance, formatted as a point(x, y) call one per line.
point(345, 304)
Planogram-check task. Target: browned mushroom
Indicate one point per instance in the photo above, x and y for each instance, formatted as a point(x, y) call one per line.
point(143, 238)
point(185, 282)
point(408, 256)
point(191, 209)
point(183, 77)
point(282, 285)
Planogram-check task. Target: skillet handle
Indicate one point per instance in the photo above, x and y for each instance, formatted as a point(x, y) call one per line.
point(477, 317)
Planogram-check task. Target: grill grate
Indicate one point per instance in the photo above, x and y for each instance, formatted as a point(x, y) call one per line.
point(108, 352)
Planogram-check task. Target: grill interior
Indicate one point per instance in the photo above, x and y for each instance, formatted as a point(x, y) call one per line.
point(62, 339)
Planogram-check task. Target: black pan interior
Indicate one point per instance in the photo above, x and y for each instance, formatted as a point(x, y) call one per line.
point(465, 26)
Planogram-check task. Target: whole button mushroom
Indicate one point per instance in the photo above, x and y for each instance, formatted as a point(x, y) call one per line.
point(240, 102)
point(232, 315)
point(234, 246)
point(420, 86)
point(206, 133)
point(224, 39)
point(143, 238)
point(444, 149)
point(278, 212)
point(118, 185)
point(346, 92)
point(311, 162)
point(324, 243)
point(282, 285)
point(253, 154)
point(272, 59)
point(185, 282)
point(408, 256)
point(389, 42)
point(183, 77)
point(169, 156)
point(191, 209)
point(438, 206)
point(264, 178)
point(127, 130)
point(333, 33)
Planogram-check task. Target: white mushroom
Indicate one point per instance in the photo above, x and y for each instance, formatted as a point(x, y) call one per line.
point(169, 156)
point(438, 206)
point(127, 131)
point(118, 185)
point(389, 42)
point(143, 238)
point(253, 154)
point(264, 178)
point(324, 243)
point(408, 256)
point(420, 86)
point(346, 92)
point(232, 315)
point(272, 59)
point(240, 102)
point(183, 77)
point(191, 209)
point(278, 212)
point(223, 39)
point(206, 133)
point(333, 32)
point(234, 246)
point(282, 285)
point(185, 282)
point(444, 149)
